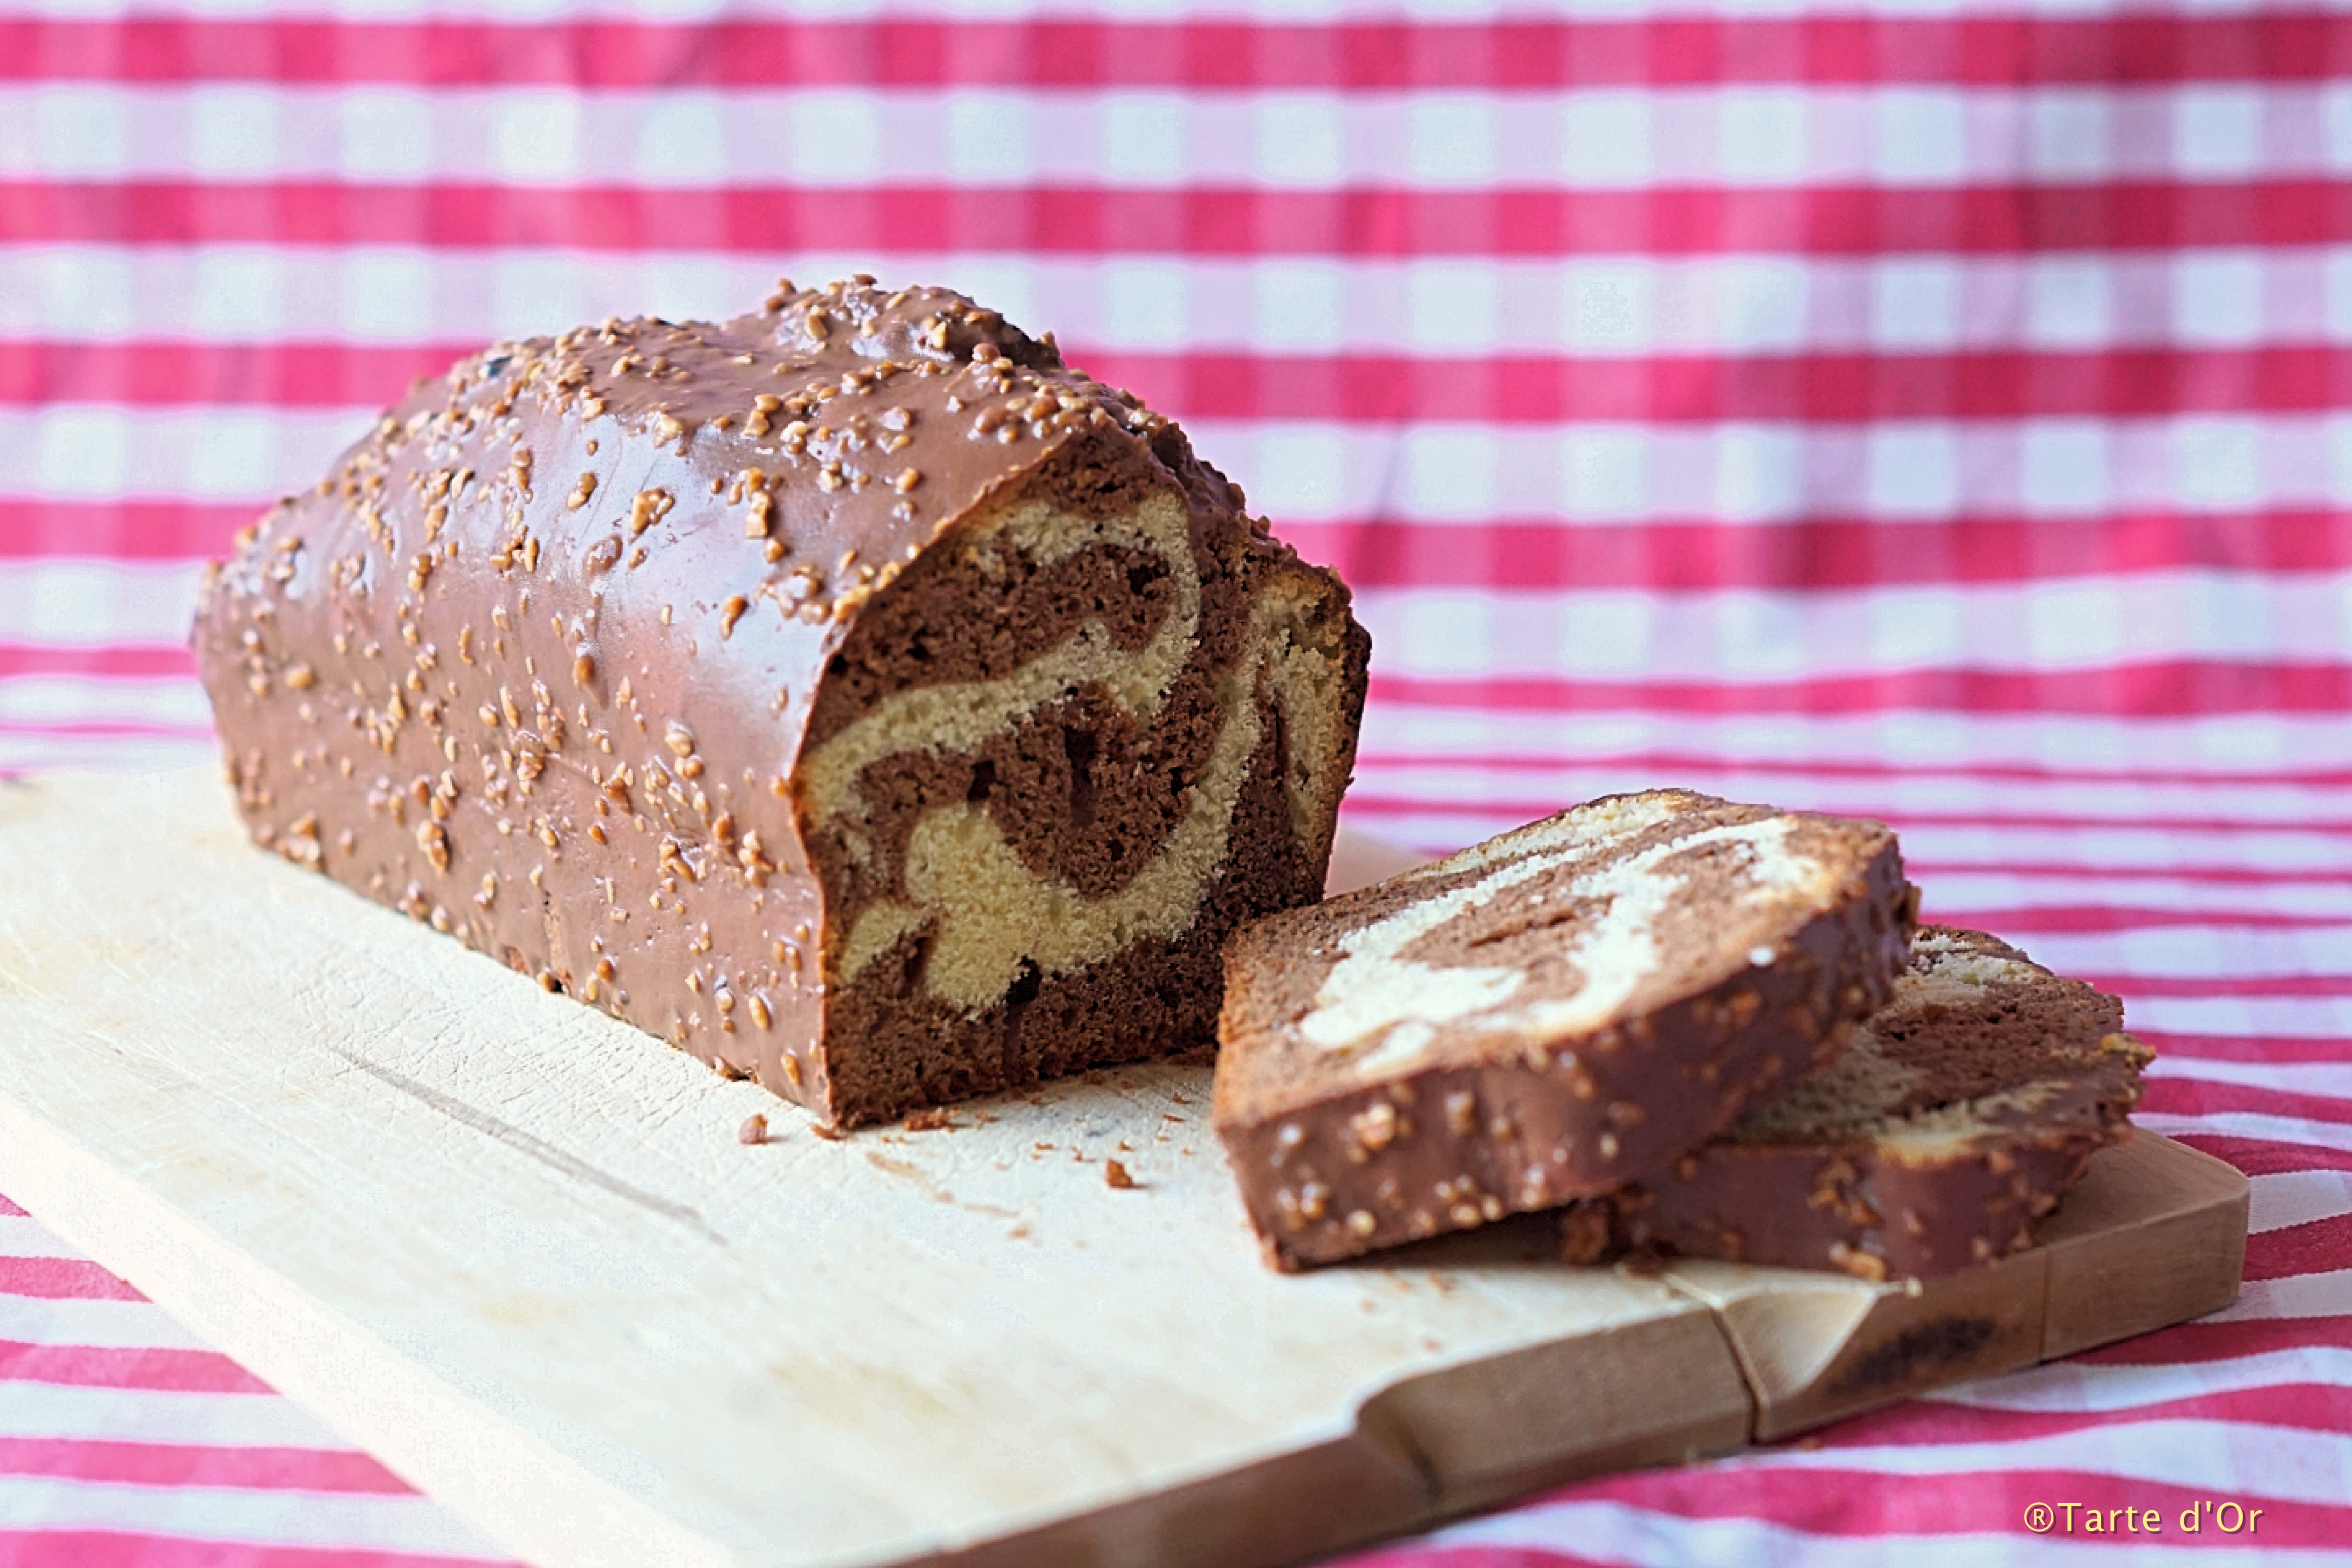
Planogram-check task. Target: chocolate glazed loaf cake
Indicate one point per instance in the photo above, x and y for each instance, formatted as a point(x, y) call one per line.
point(851, 693)
point(1955, 1120)
point(1553, 1013)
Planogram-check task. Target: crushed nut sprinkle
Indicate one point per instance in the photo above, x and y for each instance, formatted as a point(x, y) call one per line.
point(1462, 1112)
point(648, 508)
point(1375, 1127)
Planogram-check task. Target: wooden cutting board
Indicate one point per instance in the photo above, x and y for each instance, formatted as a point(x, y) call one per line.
point(515, 1251)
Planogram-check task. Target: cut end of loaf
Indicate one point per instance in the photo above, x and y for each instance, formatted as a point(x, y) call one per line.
point(1034, 850)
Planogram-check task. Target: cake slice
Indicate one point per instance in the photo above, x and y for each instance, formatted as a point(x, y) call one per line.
point(851, 693)
point(1955, 1120)
point(1553, 1013)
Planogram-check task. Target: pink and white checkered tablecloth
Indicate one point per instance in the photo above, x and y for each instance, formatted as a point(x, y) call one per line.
point(1909, 407)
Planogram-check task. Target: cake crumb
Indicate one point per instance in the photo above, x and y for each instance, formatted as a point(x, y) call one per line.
point(930, 1119)
point(830, 1135)
point(1115, 1175)
point(754, 1130)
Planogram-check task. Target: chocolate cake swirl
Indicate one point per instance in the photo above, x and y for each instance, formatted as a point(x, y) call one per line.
point(851, 693)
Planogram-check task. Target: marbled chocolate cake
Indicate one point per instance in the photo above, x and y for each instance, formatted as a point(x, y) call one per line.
point(851, 693)
point(1958, 1116)
point(1552, 1013)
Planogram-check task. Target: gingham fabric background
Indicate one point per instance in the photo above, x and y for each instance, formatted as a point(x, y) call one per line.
point(1927, 410)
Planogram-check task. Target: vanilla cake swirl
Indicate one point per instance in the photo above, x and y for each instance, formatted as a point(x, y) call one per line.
point(851, 693)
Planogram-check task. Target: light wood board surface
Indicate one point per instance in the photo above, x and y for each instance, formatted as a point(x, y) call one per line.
point(515, 1251)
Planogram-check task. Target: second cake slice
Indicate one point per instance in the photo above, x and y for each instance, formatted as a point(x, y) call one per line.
point(1549, 1014)
point(1955, 1120)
